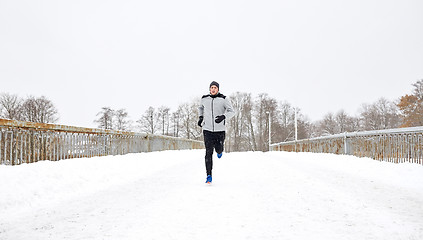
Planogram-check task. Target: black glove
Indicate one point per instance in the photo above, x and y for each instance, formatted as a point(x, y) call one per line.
point(200, 120)
point(220, 118)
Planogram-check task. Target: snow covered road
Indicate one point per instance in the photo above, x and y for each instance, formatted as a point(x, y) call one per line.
point(254, 195)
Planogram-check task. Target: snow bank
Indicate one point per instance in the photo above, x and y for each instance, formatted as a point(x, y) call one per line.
point(47, 182)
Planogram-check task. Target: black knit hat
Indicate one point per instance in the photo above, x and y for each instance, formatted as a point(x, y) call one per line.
point(214, 83)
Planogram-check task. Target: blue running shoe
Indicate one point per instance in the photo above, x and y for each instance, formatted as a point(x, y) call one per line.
point(219, 155)
point(209, 179)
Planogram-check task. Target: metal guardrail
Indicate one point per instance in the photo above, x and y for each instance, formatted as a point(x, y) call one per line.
point(28, 142)
point(392, 145)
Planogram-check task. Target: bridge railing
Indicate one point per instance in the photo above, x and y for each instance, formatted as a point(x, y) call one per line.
point(28, 142)
point(391, 145)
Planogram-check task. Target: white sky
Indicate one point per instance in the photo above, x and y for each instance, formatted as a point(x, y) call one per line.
point(322, 56)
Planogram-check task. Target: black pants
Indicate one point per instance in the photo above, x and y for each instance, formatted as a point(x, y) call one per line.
point(212, 140)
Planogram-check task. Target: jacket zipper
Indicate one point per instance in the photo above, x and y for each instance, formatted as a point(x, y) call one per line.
point(212, 104)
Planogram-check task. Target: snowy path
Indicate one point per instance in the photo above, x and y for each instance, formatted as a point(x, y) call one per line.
point(256, 195)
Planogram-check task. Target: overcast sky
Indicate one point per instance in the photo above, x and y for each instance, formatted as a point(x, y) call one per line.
point(321, 56)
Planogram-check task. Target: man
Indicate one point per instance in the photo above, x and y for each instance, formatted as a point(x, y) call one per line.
point(214, 110)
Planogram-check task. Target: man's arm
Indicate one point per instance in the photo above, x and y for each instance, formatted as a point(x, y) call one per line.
point(201, 109)
point(200, 114)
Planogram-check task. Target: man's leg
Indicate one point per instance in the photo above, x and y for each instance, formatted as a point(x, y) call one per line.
point(219, 142)
point(208, 143)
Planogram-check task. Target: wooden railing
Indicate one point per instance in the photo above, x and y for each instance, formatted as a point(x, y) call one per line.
point(391, 145)
point(27, 142)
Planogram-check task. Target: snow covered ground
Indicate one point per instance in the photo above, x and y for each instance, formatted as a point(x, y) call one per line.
point(254, 195)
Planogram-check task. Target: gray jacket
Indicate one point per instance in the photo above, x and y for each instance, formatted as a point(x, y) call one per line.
point(213, 106)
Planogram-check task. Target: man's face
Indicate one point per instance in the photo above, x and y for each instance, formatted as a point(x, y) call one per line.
point(214, 90)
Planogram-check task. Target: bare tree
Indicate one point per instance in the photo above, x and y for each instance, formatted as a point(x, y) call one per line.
point(176, 122)
point(238, 134)
point(148, 121)
point(188, 117)
point(248, 109)
point(121, 120)
point(346, 123)
point(39, 110)
point(303, 125)
point(418, 90)
point(105, 120)
point(29, 110)
point(11, 106)
point(197, 132)
point(163, 115)
point(382, 114)
point(328, 125)
point(234, 133)
point(265, 105)
point(368, 114)
point(341, 119)
point(388, 111)
point(283, 130)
